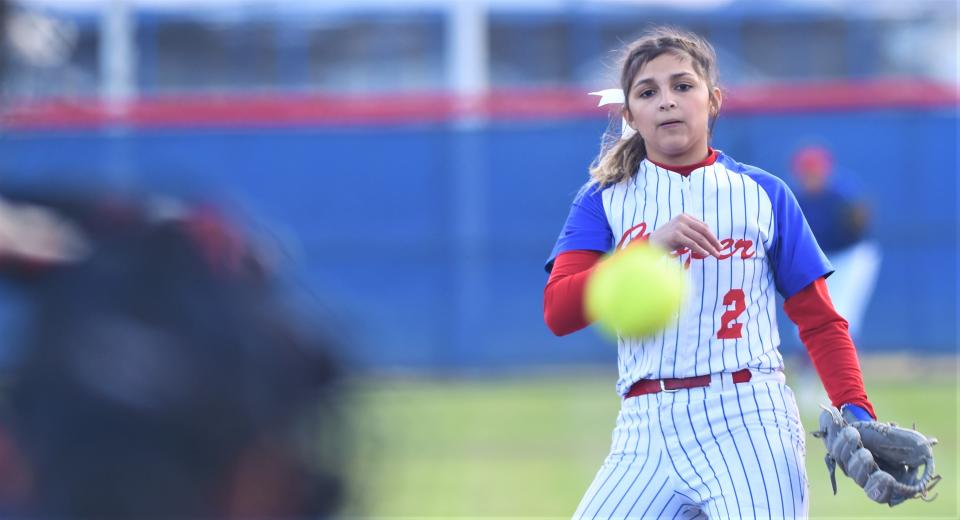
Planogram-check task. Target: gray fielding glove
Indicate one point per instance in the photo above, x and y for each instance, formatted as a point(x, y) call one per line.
point(882, 458)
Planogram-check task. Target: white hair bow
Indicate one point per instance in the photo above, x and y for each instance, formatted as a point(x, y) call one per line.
point(612, 96)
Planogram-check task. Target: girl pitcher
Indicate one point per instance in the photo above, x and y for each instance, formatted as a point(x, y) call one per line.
point(707, 426)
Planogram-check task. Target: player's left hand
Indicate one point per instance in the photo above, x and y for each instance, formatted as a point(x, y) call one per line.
point(882, 458)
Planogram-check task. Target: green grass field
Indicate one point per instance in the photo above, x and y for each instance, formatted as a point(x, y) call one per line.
point(528, 446)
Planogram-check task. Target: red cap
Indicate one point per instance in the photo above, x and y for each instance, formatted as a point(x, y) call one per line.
point(812, 160)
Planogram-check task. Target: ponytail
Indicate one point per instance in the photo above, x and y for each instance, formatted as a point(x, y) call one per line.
point(619, 159)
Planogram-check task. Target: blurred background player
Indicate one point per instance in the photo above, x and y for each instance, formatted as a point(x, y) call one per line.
point(160, 372)
point(840, 220)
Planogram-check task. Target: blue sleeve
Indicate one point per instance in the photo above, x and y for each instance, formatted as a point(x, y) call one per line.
point(794, 254)
point(586, 227)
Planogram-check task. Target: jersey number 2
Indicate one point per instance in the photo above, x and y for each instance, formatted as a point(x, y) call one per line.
point(728, 328)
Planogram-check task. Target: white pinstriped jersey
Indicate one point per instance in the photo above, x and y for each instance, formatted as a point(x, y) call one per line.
point(728, 322)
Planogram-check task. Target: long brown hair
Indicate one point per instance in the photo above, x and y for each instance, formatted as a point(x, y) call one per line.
point(620, 158)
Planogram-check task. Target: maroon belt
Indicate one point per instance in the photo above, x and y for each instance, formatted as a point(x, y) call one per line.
point(653, 386)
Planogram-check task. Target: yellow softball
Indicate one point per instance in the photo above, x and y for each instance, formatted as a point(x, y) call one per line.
point(636, 292)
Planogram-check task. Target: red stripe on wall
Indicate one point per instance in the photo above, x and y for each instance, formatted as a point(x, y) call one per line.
point(278, 110)
point(839, 96)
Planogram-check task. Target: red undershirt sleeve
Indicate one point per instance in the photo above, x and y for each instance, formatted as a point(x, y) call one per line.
point(827, 338)
point(563, 295)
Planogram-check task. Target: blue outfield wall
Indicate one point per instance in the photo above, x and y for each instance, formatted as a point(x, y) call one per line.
point(430, 238)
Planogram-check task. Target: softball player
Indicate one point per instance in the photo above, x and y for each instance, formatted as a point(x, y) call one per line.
point(707, 427)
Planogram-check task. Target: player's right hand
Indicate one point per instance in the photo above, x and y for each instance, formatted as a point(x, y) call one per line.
point(689, 232)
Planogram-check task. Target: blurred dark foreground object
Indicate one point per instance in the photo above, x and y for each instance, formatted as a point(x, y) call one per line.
point(162, 375)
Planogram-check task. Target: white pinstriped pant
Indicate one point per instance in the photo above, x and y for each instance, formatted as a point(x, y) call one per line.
point(723, 451)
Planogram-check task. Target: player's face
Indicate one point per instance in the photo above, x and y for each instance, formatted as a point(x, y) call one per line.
point(670, 106)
